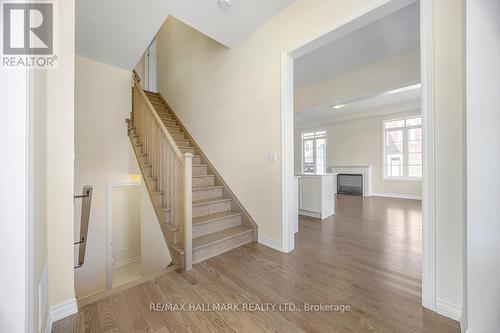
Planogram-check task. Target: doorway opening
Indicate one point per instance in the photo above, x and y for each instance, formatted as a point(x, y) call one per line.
point(125, 227)
point(150, 64)
point(403, 161)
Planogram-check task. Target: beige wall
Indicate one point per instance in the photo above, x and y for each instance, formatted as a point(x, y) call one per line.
point(230, 101)
point(395, 72)
point(40, 190)
point(103, 155)
point(140, 69)
point(359, 142)
point(60, 161)
point(126, 224)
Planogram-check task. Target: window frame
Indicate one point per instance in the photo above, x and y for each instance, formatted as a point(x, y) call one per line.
point(314, 138)
point(406, 154)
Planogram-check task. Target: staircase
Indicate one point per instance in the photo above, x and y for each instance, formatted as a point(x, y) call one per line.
point(199, 215)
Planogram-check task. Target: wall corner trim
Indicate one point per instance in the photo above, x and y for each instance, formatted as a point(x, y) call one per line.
point(270, 243)
point(60, 311)
point(449, 310)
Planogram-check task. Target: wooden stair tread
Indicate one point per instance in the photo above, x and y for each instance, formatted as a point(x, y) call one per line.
point(219, 236)
point(203, 176)
point(177, 248)
point(214, 217)
point(210, 201)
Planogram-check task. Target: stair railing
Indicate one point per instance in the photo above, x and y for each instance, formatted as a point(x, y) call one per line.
point(169, 166)
point(86, 197)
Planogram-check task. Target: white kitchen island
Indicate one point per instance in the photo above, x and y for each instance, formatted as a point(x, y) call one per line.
point(316, 195)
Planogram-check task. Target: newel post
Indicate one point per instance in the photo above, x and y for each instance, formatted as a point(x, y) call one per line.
point(188, 209)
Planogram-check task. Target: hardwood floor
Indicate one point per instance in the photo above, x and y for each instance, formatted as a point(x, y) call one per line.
point(367, 256)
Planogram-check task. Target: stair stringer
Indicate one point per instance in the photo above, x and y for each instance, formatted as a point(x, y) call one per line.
point(237, 206)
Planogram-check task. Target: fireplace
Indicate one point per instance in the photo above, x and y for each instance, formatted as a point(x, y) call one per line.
point(350, 183)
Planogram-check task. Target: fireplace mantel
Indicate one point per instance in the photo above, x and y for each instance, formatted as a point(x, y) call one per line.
point(364, 170)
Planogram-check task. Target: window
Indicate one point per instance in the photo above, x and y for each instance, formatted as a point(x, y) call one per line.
point(314, 152)
point(403, 148)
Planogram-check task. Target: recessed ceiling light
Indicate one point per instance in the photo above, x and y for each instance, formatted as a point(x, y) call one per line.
point(340, 106)
point(224, 4)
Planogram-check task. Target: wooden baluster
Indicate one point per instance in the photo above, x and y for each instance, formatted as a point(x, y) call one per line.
point(187, 206)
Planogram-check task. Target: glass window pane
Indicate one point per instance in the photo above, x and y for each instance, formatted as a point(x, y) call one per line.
point(414, 121)
point(415, 171)
point(394, 142)
point(394, 165)
point(320, 155)
point(394, 123)
point(415, 134)
point(415, 159)
point(308, 156)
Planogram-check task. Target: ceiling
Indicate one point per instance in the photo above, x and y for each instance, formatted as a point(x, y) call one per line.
point(390, 36)
point(386, 102)
point(117, 32)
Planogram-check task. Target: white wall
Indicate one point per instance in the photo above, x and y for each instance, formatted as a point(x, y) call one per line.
point(449, 81)
point(359, 142)
point(103, 155)
point(483, 164)
point(395, 72)
point(60, 161)
point(126, 214)
point(13, 203)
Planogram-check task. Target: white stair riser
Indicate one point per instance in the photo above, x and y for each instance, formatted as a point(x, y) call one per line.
point(221, 247)
point(214, 226)
point(212, 208)
point(211, 193)
point(203, 181)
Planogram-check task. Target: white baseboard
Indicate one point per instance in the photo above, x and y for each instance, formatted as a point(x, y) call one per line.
point(310, 214)
point(397, 195)
point(270, 243)
point(448, 310)
point(126, 261)
point(60, 311)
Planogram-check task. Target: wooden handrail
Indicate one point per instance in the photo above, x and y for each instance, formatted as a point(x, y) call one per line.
point(167, 172)
point(86, 197)
point(156, 116)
